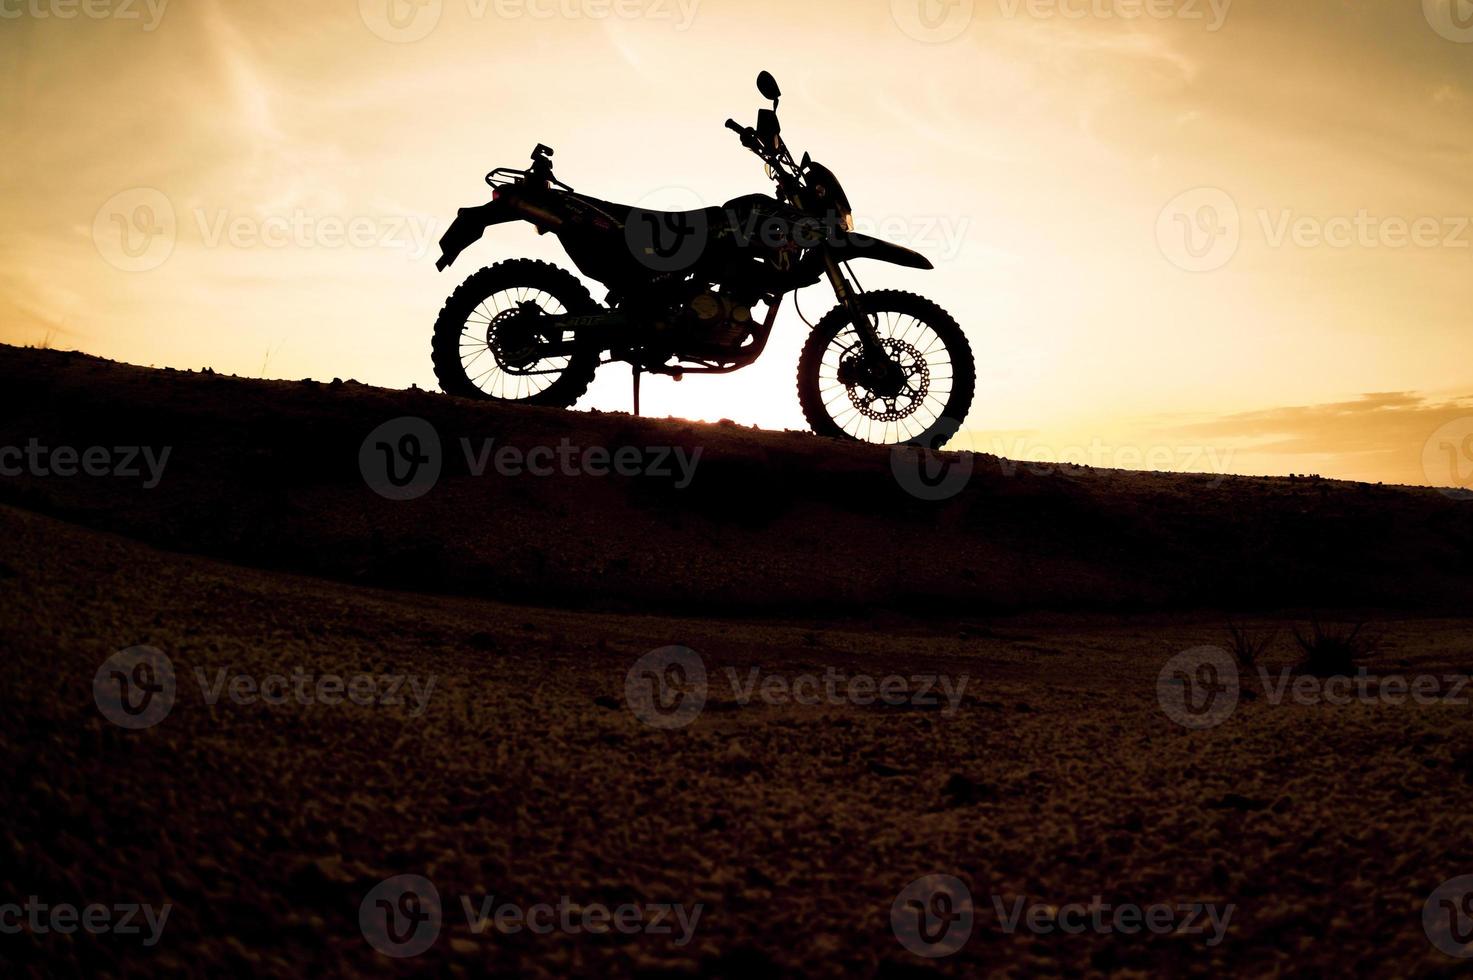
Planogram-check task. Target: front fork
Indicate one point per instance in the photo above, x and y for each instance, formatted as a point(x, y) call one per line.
point(849, 299)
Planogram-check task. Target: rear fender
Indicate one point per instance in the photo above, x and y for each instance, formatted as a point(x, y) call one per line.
point(469, 225)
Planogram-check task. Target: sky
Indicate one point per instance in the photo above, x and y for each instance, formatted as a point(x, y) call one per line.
point(1180, 234)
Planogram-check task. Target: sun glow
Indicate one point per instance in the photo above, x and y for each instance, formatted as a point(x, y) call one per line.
point(303, 160)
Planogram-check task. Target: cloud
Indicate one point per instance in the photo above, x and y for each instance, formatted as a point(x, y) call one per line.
point(1379, 436)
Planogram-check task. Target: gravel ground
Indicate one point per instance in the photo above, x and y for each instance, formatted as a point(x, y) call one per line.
point(531, 773)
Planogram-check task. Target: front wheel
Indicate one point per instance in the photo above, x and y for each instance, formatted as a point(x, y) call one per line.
point(920, 389)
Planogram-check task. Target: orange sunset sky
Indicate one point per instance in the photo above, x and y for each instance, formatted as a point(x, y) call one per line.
point(1180, 233)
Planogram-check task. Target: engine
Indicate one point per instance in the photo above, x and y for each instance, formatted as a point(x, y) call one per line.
point(717, 319)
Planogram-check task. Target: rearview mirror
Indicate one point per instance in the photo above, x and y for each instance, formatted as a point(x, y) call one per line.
point(767, 85)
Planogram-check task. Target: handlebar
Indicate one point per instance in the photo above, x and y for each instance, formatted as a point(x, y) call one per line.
point(751, 142)
point(749, 139)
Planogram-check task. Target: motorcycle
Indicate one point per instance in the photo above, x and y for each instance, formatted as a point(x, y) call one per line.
point(884, 367)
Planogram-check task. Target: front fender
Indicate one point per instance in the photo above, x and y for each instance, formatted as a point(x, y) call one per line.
point(847, 246)
point(468, 226)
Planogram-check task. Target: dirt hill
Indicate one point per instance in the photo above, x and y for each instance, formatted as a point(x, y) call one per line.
point(272, 473)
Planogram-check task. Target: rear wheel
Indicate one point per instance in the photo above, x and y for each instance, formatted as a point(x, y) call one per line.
point(489, 334)
point(920, 389)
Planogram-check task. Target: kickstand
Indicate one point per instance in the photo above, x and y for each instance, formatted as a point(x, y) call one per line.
point(636, 389)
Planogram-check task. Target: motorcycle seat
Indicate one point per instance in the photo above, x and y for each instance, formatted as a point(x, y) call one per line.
point(710, 219)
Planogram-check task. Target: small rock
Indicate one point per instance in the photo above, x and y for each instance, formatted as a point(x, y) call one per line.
point(1236, 801)
point(961, 790)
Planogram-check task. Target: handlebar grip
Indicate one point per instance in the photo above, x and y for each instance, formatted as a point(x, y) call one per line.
point(734, 126)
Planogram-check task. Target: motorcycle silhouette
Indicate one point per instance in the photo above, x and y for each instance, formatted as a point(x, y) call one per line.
point(884, 367)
